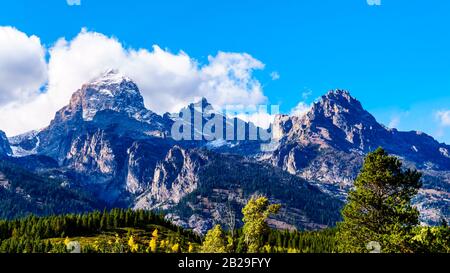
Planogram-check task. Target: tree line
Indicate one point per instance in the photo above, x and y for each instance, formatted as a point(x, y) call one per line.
point(32, 231)
point(378, 217)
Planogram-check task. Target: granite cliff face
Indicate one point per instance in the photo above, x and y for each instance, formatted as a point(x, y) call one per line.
point(200, 188)
point(174, 178)
point(5, 148)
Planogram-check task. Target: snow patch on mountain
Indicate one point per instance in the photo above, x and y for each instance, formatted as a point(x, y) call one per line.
point(444, 152)
point(25, 144)
point(110, 77)
point(217, 143)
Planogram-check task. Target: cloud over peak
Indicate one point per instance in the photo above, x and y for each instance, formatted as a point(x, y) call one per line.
point(22, 65)
point(168, 81)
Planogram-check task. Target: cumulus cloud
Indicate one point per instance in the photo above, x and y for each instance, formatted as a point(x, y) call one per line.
point(260, 119)
point(261, 115)
point(23, 68)
point(444, 118)
point(300, 109)
point(168, 81)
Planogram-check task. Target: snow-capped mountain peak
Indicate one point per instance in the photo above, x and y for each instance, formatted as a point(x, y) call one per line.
point(110, 77)
point(25, 144)
point(110, 91)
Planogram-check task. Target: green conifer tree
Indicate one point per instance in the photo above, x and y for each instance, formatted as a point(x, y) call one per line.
point(379, 210)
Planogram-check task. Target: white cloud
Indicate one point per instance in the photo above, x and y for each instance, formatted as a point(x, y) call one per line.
point(167, 81)
point(398, 119)
point(73, 2)
point(228, 79)
point(306, 94)
point(275, 76)
point(260, 119)
point(374, 2)
point(22, 66)
point(300, 109)
point(444, 118)
point(394, 122)
point(261, 115)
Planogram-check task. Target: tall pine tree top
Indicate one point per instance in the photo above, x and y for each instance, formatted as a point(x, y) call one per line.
point(379, 208)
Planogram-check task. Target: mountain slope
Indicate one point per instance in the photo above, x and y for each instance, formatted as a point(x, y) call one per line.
point(201, 188)
point(23, 193)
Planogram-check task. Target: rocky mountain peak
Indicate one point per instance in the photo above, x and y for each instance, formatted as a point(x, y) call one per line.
point(337, 120)
point(110, 76)
point(342, 109)
point(340, 95)
point(109, 91)
point(328, 144)
point(200, 105)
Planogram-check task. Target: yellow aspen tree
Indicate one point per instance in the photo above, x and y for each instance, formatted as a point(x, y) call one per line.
point(256, 212)
point(214, 241)
point(153, 244)
point(162, 245)
point(190, 248)
point(155, 233)
point(132, 244)
point(175, 248)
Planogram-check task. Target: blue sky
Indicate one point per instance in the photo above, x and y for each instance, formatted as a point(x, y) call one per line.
point(395, 58)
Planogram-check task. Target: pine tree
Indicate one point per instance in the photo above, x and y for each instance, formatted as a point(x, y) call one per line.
point(431, 239)
point(103, 222)
point(379, 209)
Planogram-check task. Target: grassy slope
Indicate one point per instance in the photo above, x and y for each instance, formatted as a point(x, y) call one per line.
point(141, 236)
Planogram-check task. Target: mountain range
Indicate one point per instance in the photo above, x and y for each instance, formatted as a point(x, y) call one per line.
point(105, 149)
